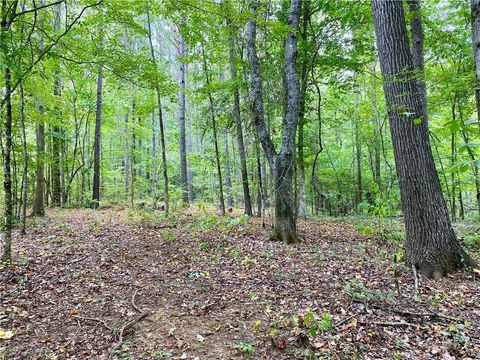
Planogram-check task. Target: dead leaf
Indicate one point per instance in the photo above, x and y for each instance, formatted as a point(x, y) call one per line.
point(6, 334)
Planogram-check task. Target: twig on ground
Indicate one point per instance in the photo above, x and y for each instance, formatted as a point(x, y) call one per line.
point(93, 319)
point(133, 302)
point(127, 326)
point(341, 322)
point(74, 335)
point(393, 323)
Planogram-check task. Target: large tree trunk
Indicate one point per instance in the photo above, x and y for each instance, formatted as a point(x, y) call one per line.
point(431, 244)
point(181, 123)
point(281, 164)
point(238, 124)
point(97, 141)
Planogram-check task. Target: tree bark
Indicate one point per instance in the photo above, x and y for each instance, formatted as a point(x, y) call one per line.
point(431, 244)
point(376, 132)
point(475, 10)
point(281, 164)
point(97, 141)
point(416, 31)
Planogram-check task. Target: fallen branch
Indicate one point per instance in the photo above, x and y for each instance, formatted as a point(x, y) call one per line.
point(128, 325)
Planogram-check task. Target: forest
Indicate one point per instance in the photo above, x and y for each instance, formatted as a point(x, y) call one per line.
point(240, 179)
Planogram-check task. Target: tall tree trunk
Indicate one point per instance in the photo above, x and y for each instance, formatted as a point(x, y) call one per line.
point(228, 178)
point(376, 131)
point(153, 167)
point(281, 164)
point(304, 64)
point(55, 165)
point(97, 141)
point(189, 150)
point(431, 244)
point(238, 122)
point(133, 166)
point(160, 120)
point(57, 133)
point(181, 122)
point(475, 10)
point(7, 171)
point(215, 137)
point(126, 159)
point(358, 149)
point(38, 203)
point(25, 161)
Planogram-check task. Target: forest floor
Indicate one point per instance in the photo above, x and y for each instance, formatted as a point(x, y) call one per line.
point(126, 284)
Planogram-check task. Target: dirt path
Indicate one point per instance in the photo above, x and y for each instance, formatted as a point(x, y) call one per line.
point(216, 289)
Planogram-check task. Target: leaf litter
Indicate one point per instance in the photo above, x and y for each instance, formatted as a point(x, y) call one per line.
point(119, 284)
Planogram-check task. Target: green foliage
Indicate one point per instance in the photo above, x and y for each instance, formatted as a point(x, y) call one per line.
point(314, 326)
point(244, 347)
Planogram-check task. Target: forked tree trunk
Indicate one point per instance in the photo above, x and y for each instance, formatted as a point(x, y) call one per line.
point(97, 141)
point(281, 163)
point(431, 244)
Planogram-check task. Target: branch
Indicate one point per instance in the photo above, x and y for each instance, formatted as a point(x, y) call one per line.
point(38, 8)
point(46, 50)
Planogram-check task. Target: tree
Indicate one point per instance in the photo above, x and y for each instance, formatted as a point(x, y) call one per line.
point(238, 119)
point(281, 163)
point(97, 141)
point(181, 121)
point(160, 118)
point(475, 12)
point(431, 244)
